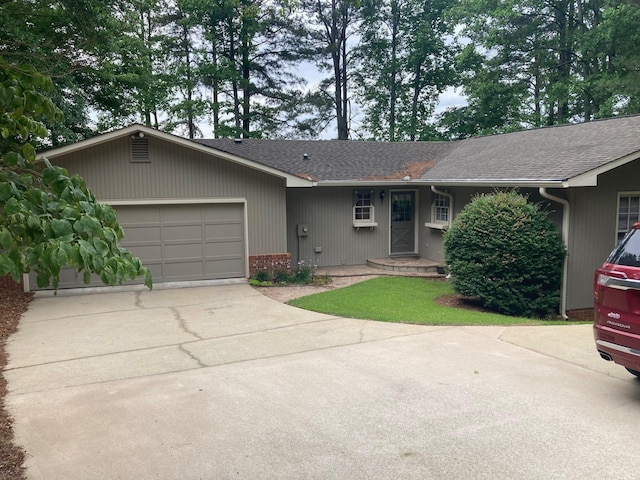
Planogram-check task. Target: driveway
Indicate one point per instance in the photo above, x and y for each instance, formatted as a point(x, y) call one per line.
point(223, 382)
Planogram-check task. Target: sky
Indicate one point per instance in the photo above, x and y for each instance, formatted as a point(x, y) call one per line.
point(451, 97)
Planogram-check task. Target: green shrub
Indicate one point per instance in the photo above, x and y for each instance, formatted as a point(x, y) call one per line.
point(505, 251)
point(281, 276)
point(262, 276)
point(304, 275)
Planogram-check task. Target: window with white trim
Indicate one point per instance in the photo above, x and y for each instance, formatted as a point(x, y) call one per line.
point(440, 209)
point(628, 213)
point(363, 209)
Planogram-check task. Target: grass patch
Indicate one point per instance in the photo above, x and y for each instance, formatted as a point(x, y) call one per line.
point(405, 300)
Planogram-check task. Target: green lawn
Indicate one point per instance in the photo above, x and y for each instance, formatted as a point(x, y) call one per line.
point(403, 299)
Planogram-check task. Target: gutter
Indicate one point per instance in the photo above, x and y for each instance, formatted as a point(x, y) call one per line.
point(523, 183)
point(565, 238)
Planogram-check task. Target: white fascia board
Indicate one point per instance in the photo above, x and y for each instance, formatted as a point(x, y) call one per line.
point(97, 140)
point(291, 180)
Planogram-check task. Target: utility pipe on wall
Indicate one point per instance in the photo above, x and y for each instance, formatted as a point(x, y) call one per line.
point(565, 239)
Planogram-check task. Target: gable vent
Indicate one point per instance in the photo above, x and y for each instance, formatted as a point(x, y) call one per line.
point(140, 149)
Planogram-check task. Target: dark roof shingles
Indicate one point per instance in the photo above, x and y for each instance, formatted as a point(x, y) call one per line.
point(335, 160)
point(552, 153)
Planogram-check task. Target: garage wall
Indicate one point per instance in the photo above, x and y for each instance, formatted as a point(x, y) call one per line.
point(175, 172)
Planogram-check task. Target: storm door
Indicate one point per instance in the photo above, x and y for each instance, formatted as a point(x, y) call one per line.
point(403, 223)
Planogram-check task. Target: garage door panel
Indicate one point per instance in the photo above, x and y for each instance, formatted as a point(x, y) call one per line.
point(223, 249)
point(223, 268)
point(183, 213)
point(137, 216)
point(218, 230)
point(136, 233)
point(182, 232)
point(184, 270)
point(183, 251)
point(228, 211)
point(148, 252)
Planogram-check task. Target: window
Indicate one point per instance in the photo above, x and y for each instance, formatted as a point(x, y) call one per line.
point(440, 208)
point(628, 213)
point(363, 209)
point(402, 207)
point(440, 211)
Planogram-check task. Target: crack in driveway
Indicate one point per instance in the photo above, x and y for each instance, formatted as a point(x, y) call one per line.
point(183, 323)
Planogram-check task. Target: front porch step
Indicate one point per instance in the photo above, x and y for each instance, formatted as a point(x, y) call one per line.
point(405, 264)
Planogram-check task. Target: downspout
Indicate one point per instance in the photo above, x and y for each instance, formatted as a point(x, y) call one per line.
point(565, 239)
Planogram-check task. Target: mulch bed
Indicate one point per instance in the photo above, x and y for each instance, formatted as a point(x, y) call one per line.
point(460, 301)
point(12, 305)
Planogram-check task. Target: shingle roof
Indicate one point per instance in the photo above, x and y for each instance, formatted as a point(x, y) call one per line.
point(336, 160)
point(552, 153)
point(546, 154)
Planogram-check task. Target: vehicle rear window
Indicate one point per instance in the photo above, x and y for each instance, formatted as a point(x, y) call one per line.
point(628, 251)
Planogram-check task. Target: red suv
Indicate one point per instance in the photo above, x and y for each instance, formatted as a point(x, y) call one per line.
point(616, 295)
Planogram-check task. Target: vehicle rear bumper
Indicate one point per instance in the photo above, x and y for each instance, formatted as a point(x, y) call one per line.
point(621, 347)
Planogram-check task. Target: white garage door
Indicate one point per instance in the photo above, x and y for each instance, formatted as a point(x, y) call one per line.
point(181, 242)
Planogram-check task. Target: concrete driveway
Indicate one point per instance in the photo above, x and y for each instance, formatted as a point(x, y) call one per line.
point(222, 382)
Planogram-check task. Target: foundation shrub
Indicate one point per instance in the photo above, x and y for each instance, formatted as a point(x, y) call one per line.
point(506, 252)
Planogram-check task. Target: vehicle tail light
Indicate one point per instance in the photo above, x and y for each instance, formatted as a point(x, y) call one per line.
point(605, 278)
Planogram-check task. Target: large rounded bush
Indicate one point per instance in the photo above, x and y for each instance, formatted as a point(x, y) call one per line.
point(505, 251)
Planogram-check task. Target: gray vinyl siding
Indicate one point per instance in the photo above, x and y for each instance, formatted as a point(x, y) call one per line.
point(594, 219)
point(328, 213)
point(175, 172)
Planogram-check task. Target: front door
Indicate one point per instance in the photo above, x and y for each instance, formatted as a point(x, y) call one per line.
point(403, 223)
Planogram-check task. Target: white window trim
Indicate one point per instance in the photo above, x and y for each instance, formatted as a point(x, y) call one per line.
point(369, 222)
point(621, 195)
point(439, 224)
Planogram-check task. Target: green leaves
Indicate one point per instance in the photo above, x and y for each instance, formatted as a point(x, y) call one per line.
point(61, 227)
point(49, 220)
point(506, 251)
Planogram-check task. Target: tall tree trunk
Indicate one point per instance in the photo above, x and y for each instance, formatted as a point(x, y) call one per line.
point(417, 80)
point(234, 82)
point(343, 133)
point(393, 92)
point(246, 73)
point(189, 77)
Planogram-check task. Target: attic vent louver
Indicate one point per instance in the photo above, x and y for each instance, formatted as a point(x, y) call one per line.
point(237, 140)
point(140, 150)
point(305, 156)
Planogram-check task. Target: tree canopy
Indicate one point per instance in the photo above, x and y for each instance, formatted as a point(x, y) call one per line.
point(240, 68)
point(49, 220)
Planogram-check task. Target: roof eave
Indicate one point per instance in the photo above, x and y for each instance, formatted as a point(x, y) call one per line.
point(590, 178)
point(291, 180)
point(549, 183)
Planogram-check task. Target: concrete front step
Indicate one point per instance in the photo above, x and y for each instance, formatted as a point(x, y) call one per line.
point(405, 264)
